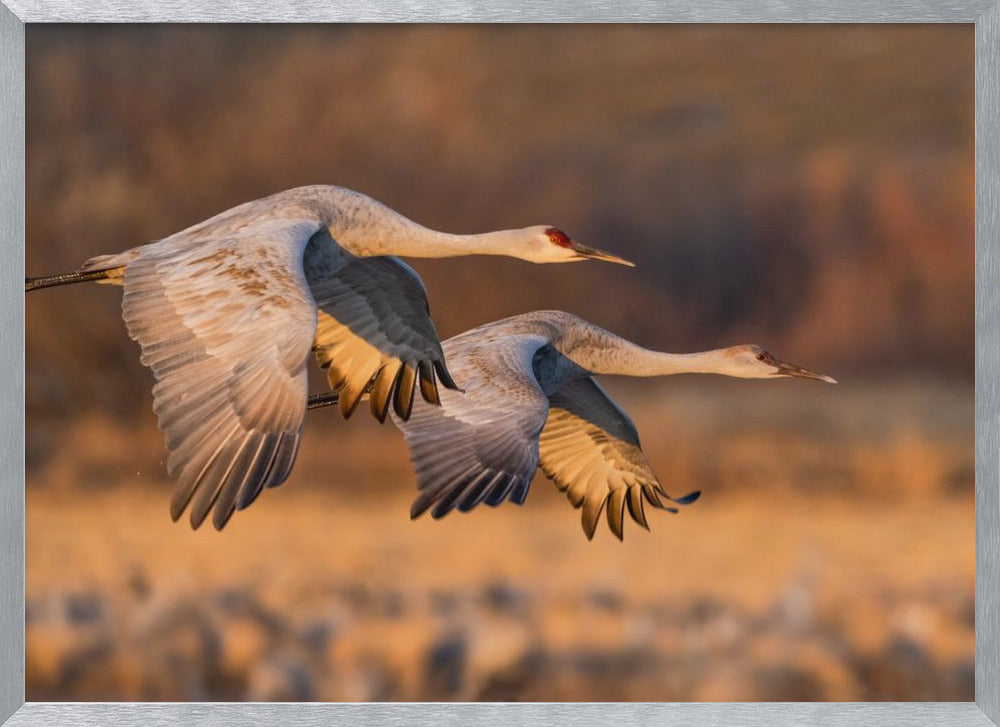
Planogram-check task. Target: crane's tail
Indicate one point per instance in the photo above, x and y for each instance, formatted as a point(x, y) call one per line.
point(50, 281)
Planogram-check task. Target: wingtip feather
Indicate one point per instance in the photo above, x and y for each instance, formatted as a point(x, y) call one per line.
point(688, 498)
point(402, 399)
point(444, 376)
point(428, 386)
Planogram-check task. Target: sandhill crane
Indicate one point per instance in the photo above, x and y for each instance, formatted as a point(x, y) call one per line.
point(226, 312)
point(530, 400)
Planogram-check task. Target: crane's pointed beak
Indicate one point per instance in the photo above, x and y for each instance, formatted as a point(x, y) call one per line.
point(592, 253)
point(790, 369)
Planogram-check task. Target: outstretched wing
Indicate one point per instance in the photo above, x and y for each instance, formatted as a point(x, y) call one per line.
point(374, 333)
point(590, 449)
point(480, 444)
point(226, 325)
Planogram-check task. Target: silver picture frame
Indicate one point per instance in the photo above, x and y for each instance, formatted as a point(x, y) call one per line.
point(984, 14)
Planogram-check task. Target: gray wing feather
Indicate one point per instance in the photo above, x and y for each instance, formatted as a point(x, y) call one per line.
point(226, 325)
point(374, 333)
point(590, 448)
point(480, 444)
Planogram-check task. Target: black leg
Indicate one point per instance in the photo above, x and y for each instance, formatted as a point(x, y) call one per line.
point(320, 400)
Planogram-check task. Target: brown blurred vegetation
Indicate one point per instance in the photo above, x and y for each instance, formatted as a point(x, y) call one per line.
point(809, 188)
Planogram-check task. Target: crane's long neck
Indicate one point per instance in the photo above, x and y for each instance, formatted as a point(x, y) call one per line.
point(424, 242)
point(610, 354)
point(366, 227)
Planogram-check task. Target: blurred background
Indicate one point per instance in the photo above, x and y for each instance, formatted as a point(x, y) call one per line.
point(809, 188)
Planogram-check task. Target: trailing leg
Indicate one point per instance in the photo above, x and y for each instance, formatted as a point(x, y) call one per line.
point(50, 281)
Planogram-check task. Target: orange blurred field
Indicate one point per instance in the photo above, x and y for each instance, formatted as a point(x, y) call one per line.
point(824, 561)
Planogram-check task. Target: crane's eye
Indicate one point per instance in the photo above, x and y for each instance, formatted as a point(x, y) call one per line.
point(762, 356)
point(558, 237)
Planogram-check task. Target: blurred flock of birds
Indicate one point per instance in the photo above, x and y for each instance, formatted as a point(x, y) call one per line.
point(485, 644)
